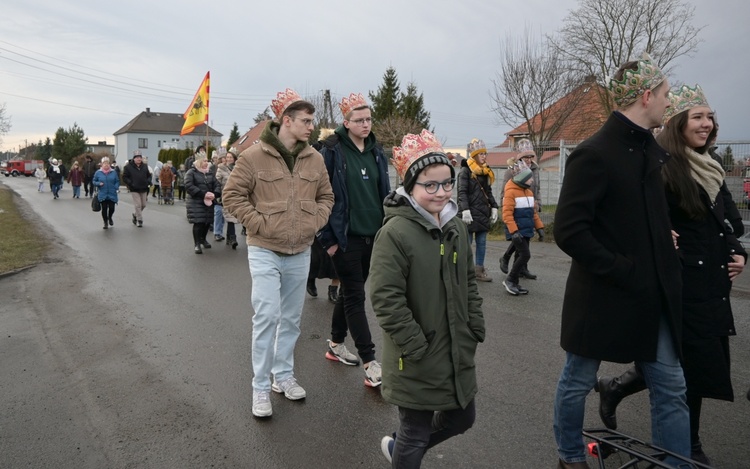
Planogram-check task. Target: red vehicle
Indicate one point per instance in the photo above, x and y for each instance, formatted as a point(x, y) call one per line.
point(21, 167)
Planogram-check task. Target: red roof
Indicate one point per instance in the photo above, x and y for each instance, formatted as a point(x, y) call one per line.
point(250, 137)
point(587, 116)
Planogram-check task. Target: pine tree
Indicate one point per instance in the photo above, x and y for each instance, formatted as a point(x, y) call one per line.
point(262, 116)
point(412, 107)
point(728, 159)
point(386, 101)
point(234, 135)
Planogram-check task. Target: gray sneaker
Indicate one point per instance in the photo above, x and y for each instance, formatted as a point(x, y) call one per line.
point(262, 404)
point(290, 388)
point(339, 353)
point(373, 375)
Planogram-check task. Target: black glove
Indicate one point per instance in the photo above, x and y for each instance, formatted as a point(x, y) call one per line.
point(540, 232)
point(516, 238)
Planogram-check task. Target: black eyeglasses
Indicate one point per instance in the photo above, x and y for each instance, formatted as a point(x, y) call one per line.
point(431, 187)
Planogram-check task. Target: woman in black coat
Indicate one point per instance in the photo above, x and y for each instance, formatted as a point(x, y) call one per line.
point(476, 203)
point(201, 185)
point(711, 258)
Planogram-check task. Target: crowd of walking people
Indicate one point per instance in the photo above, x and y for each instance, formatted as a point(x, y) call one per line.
point(651, 289)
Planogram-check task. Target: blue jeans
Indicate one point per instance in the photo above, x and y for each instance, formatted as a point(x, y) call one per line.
point(278, 293)
point(420, 430)
point(670, 420)
point(218, 220)
point(77, 192)
point(481, 237)
point(56, 188)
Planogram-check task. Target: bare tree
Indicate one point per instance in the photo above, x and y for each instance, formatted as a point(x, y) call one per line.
point(601, 35)
point(391, 130)
point(4, 122)
point(533, 77)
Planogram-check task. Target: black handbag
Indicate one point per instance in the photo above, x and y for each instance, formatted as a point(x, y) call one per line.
point(95, 204)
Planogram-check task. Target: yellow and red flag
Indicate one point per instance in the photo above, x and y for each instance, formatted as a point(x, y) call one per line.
point(197, 113)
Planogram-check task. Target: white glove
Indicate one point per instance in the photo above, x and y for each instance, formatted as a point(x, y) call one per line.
point(466, 216)
point(493, 216)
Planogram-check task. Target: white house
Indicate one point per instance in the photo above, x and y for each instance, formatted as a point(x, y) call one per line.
point(149, 132)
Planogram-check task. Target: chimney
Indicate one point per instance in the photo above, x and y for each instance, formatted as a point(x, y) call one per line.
point(148, 111)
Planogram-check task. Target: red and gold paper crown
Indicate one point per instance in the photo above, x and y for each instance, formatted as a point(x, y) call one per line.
point(351, 103)
point(683, 99)
point(283, 100)
point(634, 83)
point(412, 148)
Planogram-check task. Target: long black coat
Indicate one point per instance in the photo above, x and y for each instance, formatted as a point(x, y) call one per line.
point(475, 194)
point(705, 247)
point(196, 185)
point(612, 219)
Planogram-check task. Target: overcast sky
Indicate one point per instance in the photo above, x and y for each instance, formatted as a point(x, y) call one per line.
point(99, 64)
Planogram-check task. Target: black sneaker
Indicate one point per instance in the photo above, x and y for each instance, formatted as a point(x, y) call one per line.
point(526, 274)
point(504, 264)
point(511, 287)
point(111, 223)
point(521, 289)
point(135, 221)
point(140, 223)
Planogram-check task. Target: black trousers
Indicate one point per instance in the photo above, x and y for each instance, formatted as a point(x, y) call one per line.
point(108, 209)
point(523, 255)
point(200, 230)
point(352, 267)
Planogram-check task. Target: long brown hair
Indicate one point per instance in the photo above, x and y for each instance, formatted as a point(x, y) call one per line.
point(676, 172)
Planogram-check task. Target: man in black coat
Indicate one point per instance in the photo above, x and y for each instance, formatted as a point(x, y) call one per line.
point(137, 176)
point(623, 296)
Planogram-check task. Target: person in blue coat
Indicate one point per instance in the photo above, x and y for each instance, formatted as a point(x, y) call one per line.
point(107, 183)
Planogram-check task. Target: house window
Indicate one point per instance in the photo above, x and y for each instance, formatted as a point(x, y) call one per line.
point(142, 143)
point(158, 144)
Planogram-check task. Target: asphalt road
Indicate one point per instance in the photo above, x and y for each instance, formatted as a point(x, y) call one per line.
point(126, 350)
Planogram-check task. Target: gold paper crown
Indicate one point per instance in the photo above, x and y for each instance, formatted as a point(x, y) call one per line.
point(683, 99)
point(476, 146)
point(283, 100)
point(412, 148)
point(525, 147)
point(634, 83)
point(351, 103)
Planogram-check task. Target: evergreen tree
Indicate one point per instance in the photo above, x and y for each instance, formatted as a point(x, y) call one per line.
point(386, 101)
point(262, 116)
point(728, 159)
point(234, 135)
point(412, 107)
point(68, 144)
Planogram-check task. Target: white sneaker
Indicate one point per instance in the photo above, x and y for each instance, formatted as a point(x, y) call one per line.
point(290, 388)
point(373, 375)
point(386, 446)
point(262, 404)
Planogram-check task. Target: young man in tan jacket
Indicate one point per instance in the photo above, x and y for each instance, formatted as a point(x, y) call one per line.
point(280, 192)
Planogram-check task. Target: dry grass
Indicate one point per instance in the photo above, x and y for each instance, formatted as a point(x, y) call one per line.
point(21, 244)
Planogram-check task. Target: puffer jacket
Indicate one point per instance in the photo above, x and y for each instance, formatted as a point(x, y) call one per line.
point(197, 184)
point(280, 209)
point(424, 293)
point(106, 185)
point(475, 195)
point(519, 213)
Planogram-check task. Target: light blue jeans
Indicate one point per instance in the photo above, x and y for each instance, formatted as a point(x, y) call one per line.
point(278, 293)
point(218, 220)
point(670, 419)
point(481, 237)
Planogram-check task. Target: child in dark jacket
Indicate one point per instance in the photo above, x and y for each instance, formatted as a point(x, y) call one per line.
point(424, 292)
point(520, 218)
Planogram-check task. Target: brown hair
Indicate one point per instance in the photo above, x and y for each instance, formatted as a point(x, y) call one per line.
point(298, 106)
point(676, 171)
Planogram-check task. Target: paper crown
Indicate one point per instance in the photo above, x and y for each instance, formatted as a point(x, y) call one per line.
point(683, 99)
point(283, 100)
point(525, 147)
point(137, 153)
point(634, 83)
point(476, 146)
point(351, 103)
point(413, 147)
